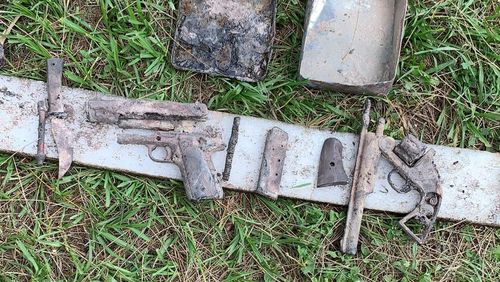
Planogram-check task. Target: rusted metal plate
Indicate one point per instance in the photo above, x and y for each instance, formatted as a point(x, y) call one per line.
point(64, 142)
point(470, 179)
point(230, 38)
point(273, 161)
point(352, 46)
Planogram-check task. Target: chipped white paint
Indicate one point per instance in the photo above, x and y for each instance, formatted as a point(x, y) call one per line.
point(471, 179)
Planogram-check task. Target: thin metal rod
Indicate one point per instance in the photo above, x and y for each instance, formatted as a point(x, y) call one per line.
point(231, 146)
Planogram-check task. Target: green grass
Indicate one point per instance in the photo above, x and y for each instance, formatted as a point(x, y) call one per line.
point(109, 226)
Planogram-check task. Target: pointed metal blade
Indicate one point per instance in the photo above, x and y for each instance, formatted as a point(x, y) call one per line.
point(331, 169)
point(63, 139)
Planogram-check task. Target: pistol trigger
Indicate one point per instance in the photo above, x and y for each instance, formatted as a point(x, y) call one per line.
point(151, 148)
point(169, 155)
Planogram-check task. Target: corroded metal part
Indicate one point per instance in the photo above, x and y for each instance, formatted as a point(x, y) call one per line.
point(352, 46)
point(191, 152)
point(421, 175)
point(200, 180)
point(231, 146)
point(58, 116)
point(42, 118)
point(365, 175)
point(54, 82)
point(64, 142)
point(273, 161)
point(146, 124)
point(410, 150)
point(412, 162)
point(331, 168)
point(225, 37)
point(121, 111)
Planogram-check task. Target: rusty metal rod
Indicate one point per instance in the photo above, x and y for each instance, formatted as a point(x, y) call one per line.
point(231, 146)
point(365, 174)
point(42, 117)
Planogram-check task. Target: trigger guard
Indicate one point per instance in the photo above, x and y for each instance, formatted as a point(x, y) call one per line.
point(406, 187)
point(168, 156)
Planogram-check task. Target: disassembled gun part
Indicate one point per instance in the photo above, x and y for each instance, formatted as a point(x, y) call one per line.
point(54, 83)
point(416, 166)
point(144, 114)
point(190, 149)
point(161, 125)
point(57, 114)
point(365, 174)
point(42, 118)
point(273, 161)
point(410, 150)
point(331, 168)
point(192, 153)
point(231, 146)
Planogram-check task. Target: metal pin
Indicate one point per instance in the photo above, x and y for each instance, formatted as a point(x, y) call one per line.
point(42, 117)
point(231, 146)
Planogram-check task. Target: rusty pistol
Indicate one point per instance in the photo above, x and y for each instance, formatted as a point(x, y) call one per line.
point(415, 164)
point(191, 152)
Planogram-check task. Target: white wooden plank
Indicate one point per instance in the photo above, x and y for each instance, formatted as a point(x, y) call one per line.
point(471, 179)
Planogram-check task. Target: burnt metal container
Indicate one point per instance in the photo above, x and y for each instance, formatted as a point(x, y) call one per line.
point(352, 46)
point(230, 38)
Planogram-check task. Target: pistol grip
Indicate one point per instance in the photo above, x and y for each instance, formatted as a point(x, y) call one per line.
point(200, 180)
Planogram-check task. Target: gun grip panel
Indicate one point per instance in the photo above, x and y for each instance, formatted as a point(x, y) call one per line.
point(199, 178)
point(331, 168)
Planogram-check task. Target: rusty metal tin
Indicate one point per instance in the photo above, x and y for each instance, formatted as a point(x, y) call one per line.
point(352, 46)
point(230, 38)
